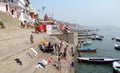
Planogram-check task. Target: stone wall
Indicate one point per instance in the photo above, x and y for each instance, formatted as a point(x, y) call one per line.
point(71, 38)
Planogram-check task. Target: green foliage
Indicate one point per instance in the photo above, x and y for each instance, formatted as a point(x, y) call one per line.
point(1, 23)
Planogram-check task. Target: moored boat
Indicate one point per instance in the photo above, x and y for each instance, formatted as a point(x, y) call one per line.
point(87, 49)
point(86, 43)
point(116, 67)
point(97, 59)
point(117, 47)
point(118, 39)
point(97, 37)
point(113, 38)
point(93, 37)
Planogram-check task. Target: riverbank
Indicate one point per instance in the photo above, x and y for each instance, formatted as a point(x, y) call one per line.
point(105, 49)
point(15, 43)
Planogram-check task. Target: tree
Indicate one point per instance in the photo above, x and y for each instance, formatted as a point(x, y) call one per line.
point(2, 24)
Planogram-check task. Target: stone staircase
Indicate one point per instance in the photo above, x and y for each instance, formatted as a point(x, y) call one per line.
point(9, 21)
point(15, 43)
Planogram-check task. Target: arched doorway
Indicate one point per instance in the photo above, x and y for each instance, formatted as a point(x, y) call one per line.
point(12, 12)
point(6, 7)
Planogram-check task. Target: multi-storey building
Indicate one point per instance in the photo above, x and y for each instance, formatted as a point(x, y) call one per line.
point(16, 8)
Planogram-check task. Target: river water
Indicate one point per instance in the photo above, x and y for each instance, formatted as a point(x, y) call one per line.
point(105, 48)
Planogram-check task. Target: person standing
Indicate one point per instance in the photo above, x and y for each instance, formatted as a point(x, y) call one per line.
point(72, 52)
point(65, 52)
point(55, 49)
point(79, 44)
point(61, 44)
point(31, 39)
point(22, 24)
point(59, 61)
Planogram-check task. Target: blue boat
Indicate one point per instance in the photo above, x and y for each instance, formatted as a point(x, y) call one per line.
point(87, 49)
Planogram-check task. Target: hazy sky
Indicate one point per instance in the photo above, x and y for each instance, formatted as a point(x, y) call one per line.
point(85, 12)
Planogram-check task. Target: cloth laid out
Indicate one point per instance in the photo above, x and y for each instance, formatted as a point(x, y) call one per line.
point(34, 51)
point(42, 64)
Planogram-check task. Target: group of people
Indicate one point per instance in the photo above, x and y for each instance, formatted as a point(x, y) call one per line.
point(63, 55)
point(47, 49)
point(57, 50)
point(27, 24)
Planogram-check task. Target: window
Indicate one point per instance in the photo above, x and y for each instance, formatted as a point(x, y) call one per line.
point(12, 1)
point(8, 0)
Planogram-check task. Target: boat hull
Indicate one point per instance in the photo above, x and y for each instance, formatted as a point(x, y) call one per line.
point(117, 47)
point(97, 60)
point(87, 43)
point(98, 38)
point(116, 67)
point(87, 49)
point(118, 40)
point(115, 71)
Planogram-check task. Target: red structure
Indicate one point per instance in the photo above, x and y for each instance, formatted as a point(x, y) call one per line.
point(46, 17)
point(40, 28)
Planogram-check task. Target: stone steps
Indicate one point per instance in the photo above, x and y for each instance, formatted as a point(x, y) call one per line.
point(9, 21)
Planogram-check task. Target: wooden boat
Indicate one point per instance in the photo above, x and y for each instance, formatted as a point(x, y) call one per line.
point(87, 49)
point(97, 59)
point(117, 47)
point(97, 37)
point(93, 37)
point(113, 38)
point(118, 39)
point(116, 67)
point(86, 43)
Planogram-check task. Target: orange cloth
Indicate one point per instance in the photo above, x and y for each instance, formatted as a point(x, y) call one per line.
point(44, 42)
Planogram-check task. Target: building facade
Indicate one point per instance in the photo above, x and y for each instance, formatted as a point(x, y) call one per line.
point(17, 9)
